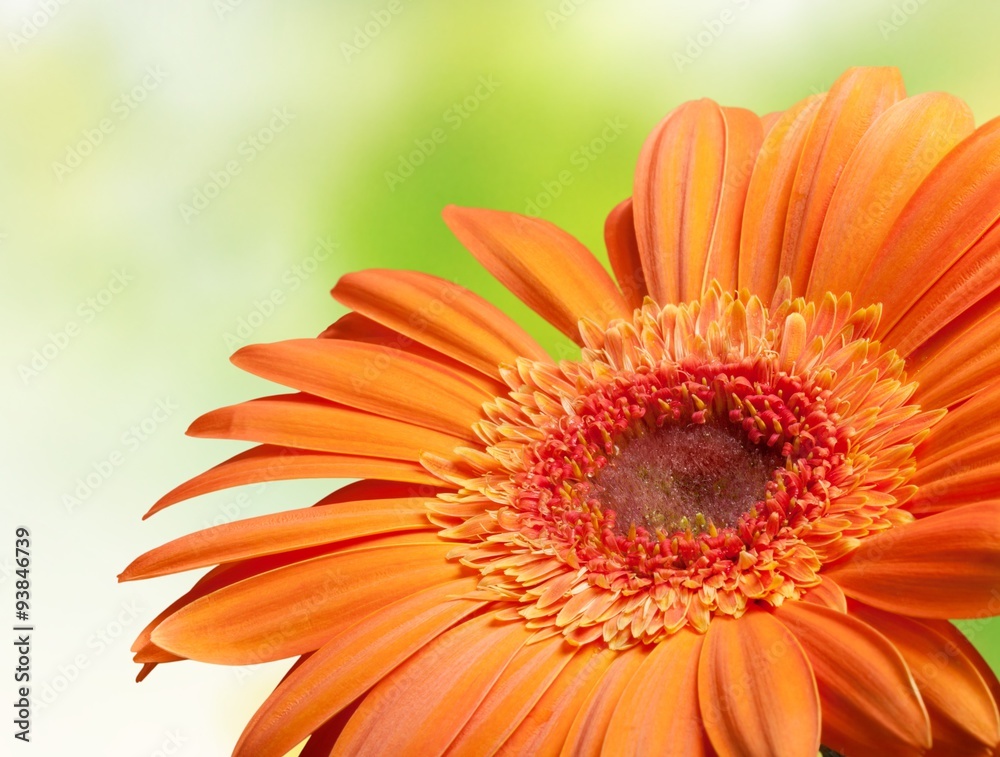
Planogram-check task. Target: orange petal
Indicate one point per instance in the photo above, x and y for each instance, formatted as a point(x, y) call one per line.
point(970, 281)
point(943, 566)
point(952, 208)
point(271, 463)
point(545, 267)
point(544, 729)
point(963, 646)
point(280, 532)
point(827, 594)
point(321, 742)
point(884, 171)
point(960, 359)
point(422, 705)
point(658, 712)
point(587, 734)
point(219, 578)
point(768, 195)
point(963, 714)
point(351, 663)
point(851, 106)
point(354, 327)
point(623, 252)
point(297, 608)
point(954, 431)
point(305, 422)
point(512, 697)
point(744, 134)
point(689, 194)
point(364, 376)
point(869, 700)
point(442, 315)
point(756, 689)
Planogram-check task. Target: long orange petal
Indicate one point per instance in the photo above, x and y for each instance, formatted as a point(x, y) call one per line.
point(756, 689)
point(354, 327)
point(587, 734)
point(512, 697)
point(885, 169)
point(944, 566)
point(351, 663)
point(364, 376)
point(970, 281)
point(960, 644)
point(544, 729)
point(959, 360)
point(268, 462)
point(954, 431)
point(744, 134)
point(856, 667)
point(954, 206)
point(963, 714)
point(440, 314)
point(688, 197)
point(545, 267)
point(623, 252)
point(306, 422)
point(422, 705)
point(768, 196)
point(851, 106)
point(658, 712)
point(280, 532)
point(299, 607)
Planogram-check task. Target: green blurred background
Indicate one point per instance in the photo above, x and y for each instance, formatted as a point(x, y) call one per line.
point(177, 179)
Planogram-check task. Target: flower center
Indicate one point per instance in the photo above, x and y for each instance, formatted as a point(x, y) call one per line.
point(703, 459)
point(685, 478)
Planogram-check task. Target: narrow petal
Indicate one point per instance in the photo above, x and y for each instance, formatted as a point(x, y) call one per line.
point(952, 433)
point(963, 646)
point(768, 196)
point(442, 315)
point(321, 741)
point(306, 422)
point(970, 281)
point(888, 165)
point(658, 712)
point(512, 697)
point(963, 714)
point(744, 134)
point(354, 327)
point(268, 462)
point(280, 532)
point(215, 579)
point(944, 566)
point(689, 193)
point(545, 267)
point(851, 106)
point(827, 594)
point(299, 607)
point(756, 689)
point(954, 206)
point(544, 729)
point(587, 734)
point(959, 360)
point(364, 376)
point(623, 253)
point(422, 705)
point(856, 666)
point(351, 663)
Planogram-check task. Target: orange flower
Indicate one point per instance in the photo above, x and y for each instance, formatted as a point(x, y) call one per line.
point(737, 523)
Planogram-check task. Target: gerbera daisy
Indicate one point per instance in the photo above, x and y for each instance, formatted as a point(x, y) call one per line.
point(736, 522)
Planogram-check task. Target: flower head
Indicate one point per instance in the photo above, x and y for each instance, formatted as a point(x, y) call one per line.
point(735, 522)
